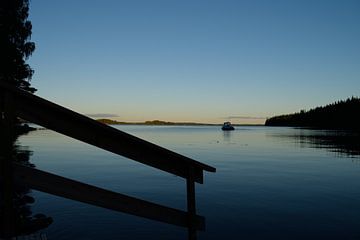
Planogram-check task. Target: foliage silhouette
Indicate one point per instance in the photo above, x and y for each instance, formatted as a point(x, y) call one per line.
point(15, 47)
point(24, 222)
point(338, 115)
point(344, 143)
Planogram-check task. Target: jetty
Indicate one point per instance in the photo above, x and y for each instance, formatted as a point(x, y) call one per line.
point(16, 103)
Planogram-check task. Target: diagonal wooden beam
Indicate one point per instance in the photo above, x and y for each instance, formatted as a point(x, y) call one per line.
point(75, 125)
point(67, 188)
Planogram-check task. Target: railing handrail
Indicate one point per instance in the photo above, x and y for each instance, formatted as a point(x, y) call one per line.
point(65, 121)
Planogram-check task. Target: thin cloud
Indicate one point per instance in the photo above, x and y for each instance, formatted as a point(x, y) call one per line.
point(102, 115)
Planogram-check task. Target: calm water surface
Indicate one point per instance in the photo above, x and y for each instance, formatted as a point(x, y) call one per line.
point(271, 183)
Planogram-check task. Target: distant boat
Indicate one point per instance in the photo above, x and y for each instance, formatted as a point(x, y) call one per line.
point(227, 126)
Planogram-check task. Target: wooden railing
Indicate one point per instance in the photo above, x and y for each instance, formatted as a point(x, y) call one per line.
point(17, 103)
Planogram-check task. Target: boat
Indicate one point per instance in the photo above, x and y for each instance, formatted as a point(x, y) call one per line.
point(227, 126)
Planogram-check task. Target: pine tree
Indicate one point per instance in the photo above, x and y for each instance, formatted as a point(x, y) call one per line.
point(15, 44)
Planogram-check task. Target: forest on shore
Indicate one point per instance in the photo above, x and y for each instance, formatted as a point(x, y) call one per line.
point(344, 114)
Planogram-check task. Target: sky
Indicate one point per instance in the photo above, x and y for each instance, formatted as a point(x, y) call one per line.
point(195, 61)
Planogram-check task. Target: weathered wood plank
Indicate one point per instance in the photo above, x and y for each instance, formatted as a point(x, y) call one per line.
point(67, 188)
point(70, 123)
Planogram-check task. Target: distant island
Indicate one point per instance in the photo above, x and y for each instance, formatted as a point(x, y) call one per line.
point(153, 122)
point(344, 114)
point(165, 123)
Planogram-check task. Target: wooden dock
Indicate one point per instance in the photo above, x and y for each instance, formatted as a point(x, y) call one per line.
point(17, 103)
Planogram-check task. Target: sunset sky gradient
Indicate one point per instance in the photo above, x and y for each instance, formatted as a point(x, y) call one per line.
point(202, 61)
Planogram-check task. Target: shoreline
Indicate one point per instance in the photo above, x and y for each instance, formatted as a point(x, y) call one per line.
point(164, 123)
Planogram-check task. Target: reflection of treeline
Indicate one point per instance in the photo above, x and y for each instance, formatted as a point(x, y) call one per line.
point(342, 142)
point(26, 222)
point(338, 115)
point(17, 218)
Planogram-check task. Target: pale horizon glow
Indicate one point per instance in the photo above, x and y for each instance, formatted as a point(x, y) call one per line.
point(195, 61)
point(220, 120)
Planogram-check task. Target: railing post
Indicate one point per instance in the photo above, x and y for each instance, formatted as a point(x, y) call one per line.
point(17, 103)
point(191, 205)
point(7, 137)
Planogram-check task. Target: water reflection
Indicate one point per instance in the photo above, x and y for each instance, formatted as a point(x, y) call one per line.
point(343, 143)
point(227, 136)
point(253, 189)
point(17, 218)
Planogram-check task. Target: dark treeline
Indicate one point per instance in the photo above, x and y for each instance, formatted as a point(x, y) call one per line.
point(15, 49)
point(338, 115)
point(16, 217)
point(15, 44)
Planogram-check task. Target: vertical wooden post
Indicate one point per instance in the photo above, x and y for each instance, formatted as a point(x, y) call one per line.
point(191, 205)
point(7, 137)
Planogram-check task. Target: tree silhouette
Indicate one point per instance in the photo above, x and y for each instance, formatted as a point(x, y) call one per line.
point(338, 115)
point(22, 220)
point(15, 47)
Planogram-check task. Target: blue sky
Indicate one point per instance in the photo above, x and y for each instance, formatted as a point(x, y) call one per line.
point(201, 61)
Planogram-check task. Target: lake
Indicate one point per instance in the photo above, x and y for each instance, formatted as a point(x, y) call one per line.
point(271, 183)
